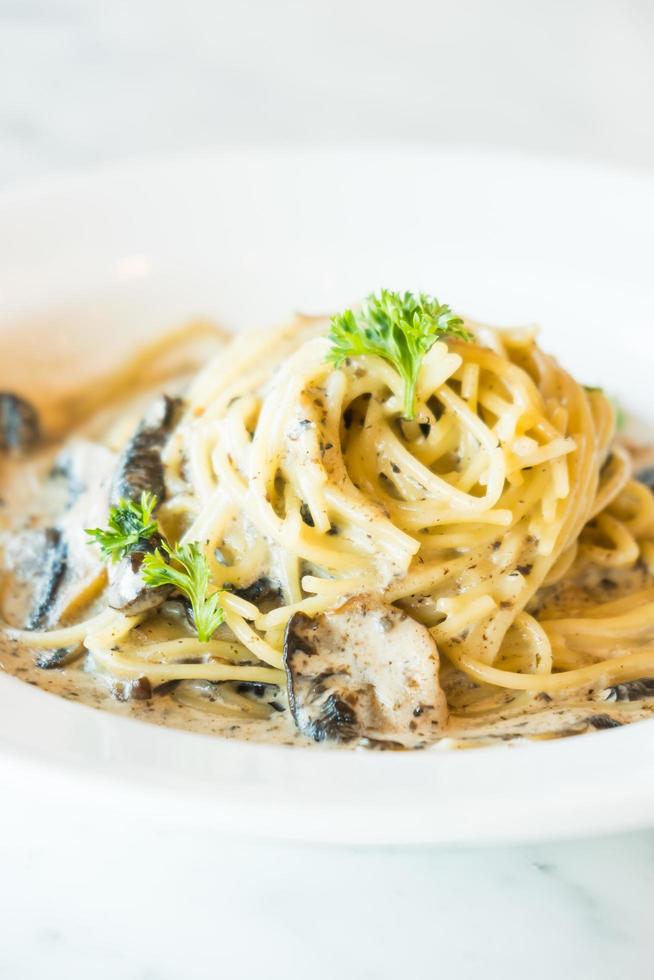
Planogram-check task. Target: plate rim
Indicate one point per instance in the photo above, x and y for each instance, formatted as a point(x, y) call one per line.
point(17, 759)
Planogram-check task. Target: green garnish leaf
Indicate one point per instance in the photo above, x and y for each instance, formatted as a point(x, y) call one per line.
point(401, 328)
point(185, 567)
point(130, 524)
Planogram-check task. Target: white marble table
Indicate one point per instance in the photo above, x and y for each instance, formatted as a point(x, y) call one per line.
point(87, 81)
point(84, 81)
point(74, 905)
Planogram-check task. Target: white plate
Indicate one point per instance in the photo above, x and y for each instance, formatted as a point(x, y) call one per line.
point(246, 237)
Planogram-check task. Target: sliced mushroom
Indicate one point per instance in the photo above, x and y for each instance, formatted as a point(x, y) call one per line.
point(140, 466)
point(264, 592)
point(603, 721)
point(19, 423)
point(364, 670)
point(88, 468)
point(631, 690)
point(229, 699)
point(135, 690)
point(127, 590)
point(52, 659)
point(49, 577)
point(52, 571)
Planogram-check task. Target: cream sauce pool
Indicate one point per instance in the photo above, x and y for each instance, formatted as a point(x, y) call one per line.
point(477, 718)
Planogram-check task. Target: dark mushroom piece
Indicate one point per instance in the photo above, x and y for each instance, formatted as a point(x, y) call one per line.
point(54, 573)
point(53, 659)
point(139, 689)
point(604, 721)
point(264, 592)
point(19, 423)
point(364, 670)
point(631, 690)
point(140, 466)
point(238, 700)
point(127, 591)
point(54, 561)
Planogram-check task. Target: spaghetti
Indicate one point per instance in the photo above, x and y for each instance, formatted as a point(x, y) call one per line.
point(504, 518)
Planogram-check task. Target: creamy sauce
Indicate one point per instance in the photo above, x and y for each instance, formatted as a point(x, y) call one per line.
point(477, 716)
point(522, 716)
point(24, 508)
point(74, 683)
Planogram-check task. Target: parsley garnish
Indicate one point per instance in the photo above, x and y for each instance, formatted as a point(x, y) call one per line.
point(130, 528)
point(185, 567)
point(401, 328)
point(130, 525)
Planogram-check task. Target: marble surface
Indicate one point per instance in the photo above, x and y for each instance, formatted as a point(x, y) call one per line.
point(83, 82)
point(144, 904)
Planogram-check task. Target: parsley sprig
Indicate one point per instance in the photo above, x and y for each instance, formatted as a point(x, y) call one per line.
point(399, 327)
point(185, 567)
point(132, 529)
point(130, 525)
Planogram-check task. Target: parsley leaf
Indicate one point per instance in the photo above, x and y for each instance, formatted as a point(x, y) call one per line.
point(130, 524)
point(185, 567)
point(401, 328)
